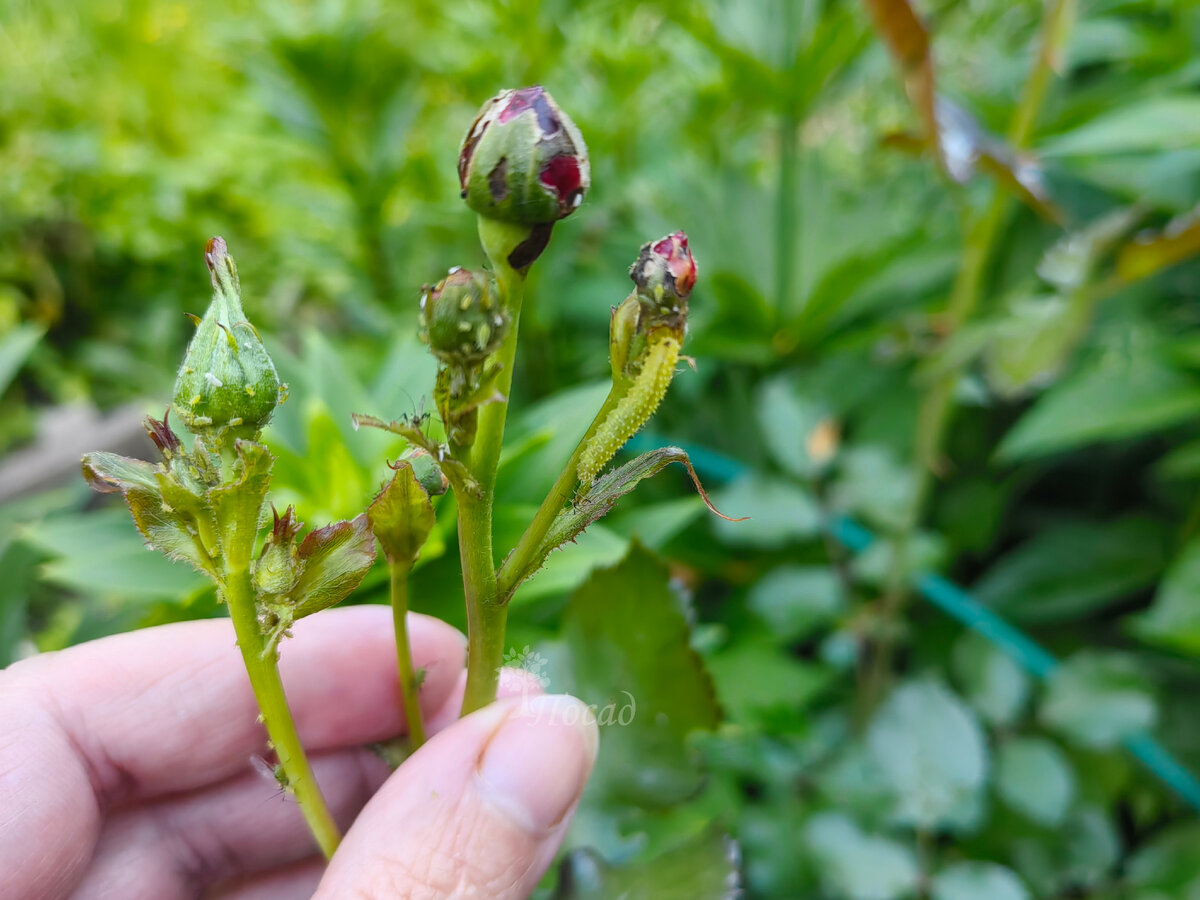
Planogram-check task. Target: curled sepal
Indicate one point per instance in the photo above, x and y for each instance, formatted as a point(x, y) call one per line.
point(227, 387)
point(402, 517)
point(323, 570)
point(164, 528)
point(523, 160)
point(238, 505)
point(603, 495)
point(456, 473)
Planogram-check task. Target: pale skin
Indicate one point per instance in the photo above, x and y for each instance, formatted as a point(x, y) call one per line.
point(125, 770)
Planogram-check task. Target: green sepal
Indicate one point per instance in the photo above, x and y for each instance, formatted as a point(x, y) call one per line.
point(402, 517)
point(335, 559)
point(237, 505)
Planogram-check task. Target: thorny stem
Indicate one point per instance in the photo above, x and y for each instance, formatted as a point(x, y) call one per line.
point(937, 407)
point(238, 593)
point(555, 500)
point(486, 611)
point(398, 575)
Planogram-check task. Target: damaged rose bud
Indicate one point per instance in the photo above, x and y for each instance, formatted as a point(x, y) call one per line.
point(461, 318)
point(523, 160)
point(227, 387)
point(665, 268)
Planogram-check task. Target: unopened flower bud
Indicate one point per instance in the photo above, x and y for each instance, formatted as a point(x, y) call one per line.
point(665, 274)
point(227, 386)
point(523, 160)
point(278, 568)
point(461, 318)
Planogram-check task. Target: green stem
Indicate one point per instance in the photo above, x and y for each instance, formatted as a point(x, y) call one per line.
point(408, 683)
point(238, 593)
point(486, 611)
point(937, 407)
point(508, 578)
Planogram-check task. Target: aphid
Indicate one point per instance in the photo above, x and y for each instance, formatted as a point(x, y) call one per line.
point(634, 409)
point(274, 773)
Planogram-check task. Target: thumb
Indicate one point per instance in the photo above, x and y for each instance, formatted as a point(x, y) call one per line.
point(478, 811)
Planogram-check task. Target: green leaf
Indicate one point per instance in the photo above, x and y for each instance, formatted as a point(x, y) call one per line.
point(1169, 862)
point(1174, 618)
point(874, 485)
point(1103, 404)
point(1035, 778)
point(335, 560)
point(18, 562)
point(977, 881)
point(780, 512)
point(630, 653)
point(1073, 569)
point(994, 684)
point(931, 750)
point(1077, 855)
point(1097, 699)
point(756, 679)
point(402, 517)
point(787, 421)
point(15, 347)
point(1152, 124)
point(796, 600)
point(1148, 254)
point(237, 505)
point(108, 473)
point(704, 868)
point(859, 866)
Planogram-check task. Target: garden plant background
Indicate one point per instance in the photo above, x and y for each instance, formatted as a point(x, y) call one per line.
point(985, 348)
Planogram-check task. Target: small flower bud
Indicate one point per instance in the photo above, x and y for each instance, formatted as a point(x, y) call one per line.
point(665, 274)
point(227, 387)
point(278, 568)
point(523, 160)
point(461, 318)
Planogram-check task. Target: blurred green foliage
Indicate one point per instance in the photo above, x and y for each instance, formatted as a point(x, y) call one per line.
point(320, 138)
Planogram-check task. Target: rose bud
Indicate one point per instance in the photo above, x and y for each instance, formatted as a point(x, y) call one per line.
point(227, 387)
point(461, 318)
point(523, 160)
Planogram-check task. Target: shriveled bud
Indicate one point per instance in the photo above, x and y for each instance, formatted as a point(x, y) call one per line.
point(523, 160)
point(227, 387)
point(461, 318)
point(665, 274)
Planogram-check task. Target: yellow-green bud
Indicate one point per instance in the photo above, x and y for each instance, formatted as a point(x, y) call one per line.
point(227, 387)
point(523, 160)
point(461, 318)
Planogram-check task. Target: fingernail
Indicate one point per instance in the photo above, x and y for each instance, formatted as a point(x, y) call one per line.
point(536, 764)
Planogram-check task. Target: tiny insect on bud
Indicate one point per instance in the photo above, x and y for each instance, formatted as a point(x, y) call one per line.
point(227, 387)
point(461, 318)
point(523, 160)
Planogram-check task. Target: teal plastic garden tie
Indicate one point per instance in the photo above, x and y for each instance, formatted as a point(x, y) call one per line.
point(960, 605)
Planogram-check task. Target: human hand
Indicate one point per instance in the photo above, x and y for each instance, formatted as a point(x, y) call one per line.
point(125, 770)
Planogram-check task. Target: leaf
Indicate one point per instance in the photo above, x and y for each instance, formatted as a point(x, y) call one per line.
point(931, 750)
point(859, 866)
point(603, 495)
point(237, 505)
point(1071, 261)
point(1168, 862)
point(994, 684)
point(109, 473)
point(1096, 699)
point(703, 868)
point(873, 484)
point(796, 600)
point(15, 347)
point(1077, 855)
point(335, 560)
point(402, 517)
point(1174, 618)
point(631, 655)
point(1102, 404)
point(781, 511)
point(977, 881)
point(788, 423)
point(18, 561)
point(756, 680)
point(1148, 125)
point(1035, 778)
point(1073, 569)
point(1152, 253)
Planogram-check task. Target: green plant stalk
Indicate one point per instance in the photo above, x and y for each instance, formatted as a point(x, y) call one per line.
point(238, 594)
point(398, 577)
point(552, 504)
point(937, 407)
point(487, 614)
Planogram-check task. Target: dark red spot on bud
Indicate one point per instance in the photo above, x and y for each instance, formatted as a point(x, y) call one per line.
point(562, 176)
point(285, 527)
point(161, 434)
